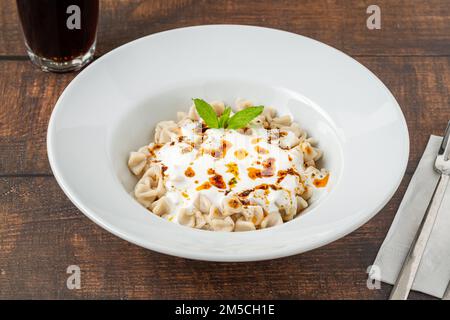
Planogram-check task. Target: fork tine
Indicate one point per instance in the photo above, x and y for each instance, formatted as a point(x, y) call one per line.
point(445, 143)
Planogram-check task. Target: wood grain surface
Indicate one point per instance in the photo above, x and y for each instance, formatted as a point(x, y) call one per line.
point(42, 233)
point(409, 27)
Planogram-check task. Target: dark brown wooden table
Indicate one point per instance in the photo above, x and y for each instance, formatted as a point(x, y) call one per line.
point(42, 233)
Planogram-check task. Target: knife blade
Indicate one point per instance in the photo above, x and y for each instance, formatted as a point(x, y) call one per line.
point(405, 279)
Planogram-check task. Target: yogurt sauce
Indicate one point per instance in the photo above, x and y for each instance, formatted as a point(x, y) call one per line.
point(219, 163)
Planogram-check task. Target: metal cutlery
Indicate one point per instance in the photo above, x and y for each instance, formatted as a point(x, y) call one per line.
point(411, 264)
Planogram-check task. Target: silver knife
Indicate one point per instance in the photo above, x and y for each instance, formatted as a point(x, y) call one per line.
point(411, 264)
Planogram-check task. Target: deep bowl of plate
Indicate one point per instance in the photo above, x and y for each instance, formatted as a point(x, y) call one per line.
point(112, 107)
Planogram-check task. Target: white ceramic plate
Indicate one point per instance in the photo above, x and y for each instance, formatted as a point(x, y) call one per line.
point(112, 107)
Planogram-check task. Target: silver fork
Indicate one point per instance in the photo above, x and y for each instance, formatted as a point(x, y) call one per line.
point(411, 264)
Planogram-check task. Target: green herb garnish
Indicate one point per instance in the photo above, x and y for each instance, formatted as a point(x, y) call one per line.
point(242, 118)
point(207, 113)
point(223, 119)
point(239, 120)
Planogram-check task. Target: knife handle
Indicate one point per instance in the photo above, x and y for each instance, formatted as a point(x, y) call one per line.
point(405, 279)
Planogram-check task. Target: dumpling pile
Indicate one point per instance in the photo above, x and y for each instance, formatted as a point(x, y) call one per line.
point(252, 178)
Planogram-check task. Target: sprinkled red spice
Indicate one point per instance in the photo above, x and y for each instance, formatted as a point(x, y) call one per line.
point(189, 172)
point(261, 150)
point(217, 181)
point(204, 186)
point(320, 183)
point(269, 167)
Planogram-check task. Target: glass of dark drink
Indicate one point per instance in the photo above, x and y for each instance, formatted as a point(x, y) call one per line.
point(60, 35)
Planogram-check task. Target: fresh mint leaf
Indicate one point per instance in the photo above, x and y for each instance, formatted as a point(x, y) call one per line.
point(207, 113)
point(223, 119)
point(243, 117)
